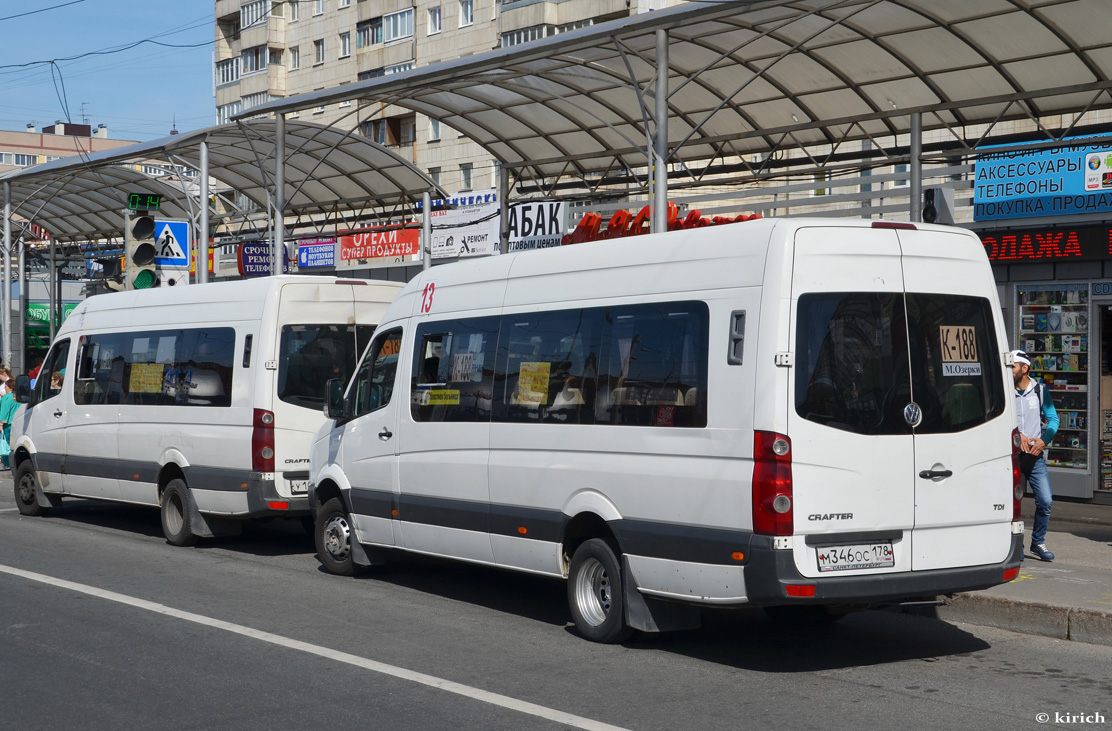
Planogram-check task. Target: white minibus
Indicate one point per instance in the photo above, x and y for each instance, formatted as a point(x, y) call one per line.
point(201, 400)
point(804, 415)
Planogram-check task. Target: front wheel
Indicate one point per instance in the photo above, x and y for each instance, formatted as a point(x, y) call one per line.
point(333, 538)
point(176, 507)
point(595, 593)
point(25, 488)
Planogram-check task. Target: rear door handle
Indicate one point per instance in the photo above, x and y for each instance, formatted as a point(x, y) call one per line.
point(385, 434)
point(58, 414)
point(931, 474)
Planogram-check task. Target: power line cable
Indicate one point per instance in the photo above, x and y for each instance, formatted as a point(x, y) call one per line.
point(42, 10)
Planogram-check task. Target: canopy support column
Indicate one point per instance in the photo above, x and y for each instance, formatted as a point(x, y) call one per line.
point(279, 246)
point(426, 231)
point(916, 167)
point(660, 142)
point(203, 217)
point(6, 301)
point(503, 209)
point(23, 297)
point(51, 312)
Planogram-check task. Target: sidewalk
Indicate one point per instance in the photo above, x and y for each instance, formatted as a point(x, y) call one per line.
point(1069, 598)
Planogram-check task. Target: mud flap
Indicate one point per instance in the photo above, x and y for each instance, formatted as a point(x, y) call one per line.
point(648, 614)
point(212, 526)
point(44, 500)
point(366, 557)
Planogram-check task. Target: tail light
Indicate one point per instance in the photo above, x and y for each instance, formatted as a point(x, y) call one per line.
point(262, 441)
point(1017, 479)
point(772, 484)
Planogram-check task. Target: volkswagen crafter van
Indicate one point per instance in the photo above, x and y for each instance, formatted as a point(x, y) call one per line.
point(803, 415)
point(201, 400)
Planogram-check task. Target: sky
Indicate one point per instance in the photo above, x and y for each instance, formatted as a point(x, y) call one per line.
point(140, 93)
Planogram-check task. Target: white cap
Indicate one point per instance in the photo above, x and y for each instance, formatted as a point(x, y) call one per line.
point(1020, 356)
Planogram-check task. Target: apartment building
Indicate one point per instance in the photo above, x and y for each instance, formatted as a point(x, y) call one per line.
point(267, 50)
point(32, 147)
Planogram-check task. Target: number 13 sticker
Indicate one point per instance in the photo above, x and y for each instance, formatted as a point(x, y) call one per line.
point(426, 297)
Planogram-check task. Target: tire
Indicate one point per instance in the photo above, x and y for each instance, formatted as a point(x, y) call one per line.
point(333, 536)
point(595, 593)
point(804, 615)
point(177, 505)
point(25, 484)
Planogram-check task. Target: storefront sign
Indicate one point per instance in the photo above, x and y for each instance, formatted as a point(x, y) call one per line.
point(316, 253)
point(253, 258)
point(379, 248)
point(1051, 244)
point(468, 228)
point(38, 313)
point(537, 225)
point(1047, 182)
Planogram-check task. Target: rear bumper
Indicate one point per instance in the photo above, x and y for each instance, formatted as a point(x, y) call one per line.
point(263, 500)
point(770, 571)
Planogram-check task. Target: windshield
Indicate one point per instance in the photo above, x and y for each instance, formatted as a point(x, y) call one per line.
point(309, 355)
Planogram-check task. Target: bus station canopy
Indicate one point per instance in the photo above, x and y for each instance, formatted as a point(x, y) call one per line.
point(750, 76)
point(325, 168)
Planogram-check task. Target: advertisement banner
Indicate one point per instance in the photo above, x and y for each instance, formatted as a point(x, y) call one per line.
point(537, 225)
point(38, 313)
point(253, 259)
point(469, 228)
point(380, 248)
point(316, 253)
point(1047, 182)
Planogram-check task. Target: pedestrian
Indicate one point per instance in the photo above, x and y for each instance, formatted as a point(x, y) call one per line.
point(8, 406)
point(7, 382)
point(1038, 423)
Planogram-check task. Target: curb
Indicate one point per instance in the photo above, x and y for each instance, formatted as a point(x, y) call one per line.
point(1034, 618)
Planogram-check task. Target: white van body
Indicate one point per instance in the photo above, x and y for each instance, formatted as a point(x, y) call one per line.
point(705, 367)
point(194, 384)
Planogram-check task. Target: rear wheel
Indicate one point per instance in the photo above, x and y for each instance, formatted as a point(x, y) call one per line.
point(177, 506)
point(595, 593)
point(333, 538)
point(25, 497)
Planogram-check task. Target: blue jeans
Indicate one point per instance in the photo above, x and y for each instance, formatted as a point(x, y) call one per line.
point(1039, 480)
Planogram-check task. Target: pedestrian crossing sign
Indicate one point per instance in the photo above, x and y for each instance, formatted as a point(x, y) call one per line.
point(171, 244)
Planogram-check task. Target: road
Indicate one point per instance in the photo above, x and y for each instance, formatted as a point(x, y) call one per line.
point(105, 626)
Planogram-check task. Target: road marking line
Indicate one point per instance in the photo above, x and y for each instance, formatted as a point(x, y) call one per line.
point(479, 694)
point(8, 510)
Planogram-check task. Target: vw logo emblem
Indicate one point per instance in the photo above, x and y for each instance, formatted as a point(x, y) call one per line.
point(912, 414)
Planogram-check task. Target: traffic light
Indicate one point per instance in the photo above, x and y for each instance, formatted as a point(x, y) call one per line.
point(938, 205)
point(140, 253)
point(112, 271)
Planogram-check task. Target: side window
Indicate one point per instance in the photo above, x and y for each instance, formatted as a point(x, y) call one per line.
point(100, 370)
point(310, 355)
point(52, 375)
point(173, 367)
point(374, 383)
point(548, 367)
point(654, 365)
point(453, 370)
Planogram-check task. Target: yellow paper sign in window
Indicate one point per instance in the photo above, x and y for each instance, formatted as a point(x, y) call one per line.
point(532, 383)
point(443, 397)
point(146, 378)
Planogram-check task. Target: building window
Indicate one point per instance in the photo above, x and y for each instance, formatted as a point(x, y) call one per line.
point(226, 112)
point(368, 33)
point(525, 35)
point(372, 74)
point(295, 10)
point(434, 173)
point(465, 171)
point(434, 21)
point(255, 59)
point(295, 58)
point(345, 45)
point(466, 12)
point(254, 100)
point(276, 57)
point(253, 13)
point(318, 52)
point(277, 10)
point(902, 183)
point(398, 25)
point(25, 161)
point(318, 7)
point(397, 68)
point(434, 129)
point(227, 72)
point(345, 3)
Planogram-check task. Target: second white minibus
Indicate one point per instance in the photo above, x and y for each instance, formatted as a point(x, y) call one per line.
point(201, 400)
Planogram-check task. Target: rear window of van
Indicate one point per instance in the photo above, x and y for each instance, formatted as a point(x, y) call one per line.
point(861, 357)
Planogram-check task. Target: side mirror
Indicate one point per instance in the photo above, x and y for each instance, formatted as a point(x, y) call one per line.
point(334, 399)
point(23, 389)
